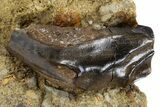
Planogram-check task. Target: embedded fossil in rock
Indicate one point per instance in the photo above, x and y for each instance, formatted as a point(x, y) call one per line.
point(83, 58)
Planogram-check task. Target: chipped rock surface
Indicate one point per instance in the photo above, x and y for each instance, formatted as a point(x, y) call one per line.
point(109, 98)
point(96, 13)
point(18, 83)
point(13, 93)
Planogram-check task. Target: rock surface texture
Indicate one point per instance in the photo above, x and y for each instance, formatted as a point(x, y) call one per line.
point(20, 86)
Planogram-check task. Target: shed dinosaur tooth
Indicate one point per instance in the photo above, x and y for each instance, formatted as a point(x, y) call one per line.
point(84, 58)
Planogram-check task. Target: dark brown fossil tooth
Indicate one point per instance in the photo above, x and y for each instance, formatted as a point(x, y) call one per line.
point(84, 58)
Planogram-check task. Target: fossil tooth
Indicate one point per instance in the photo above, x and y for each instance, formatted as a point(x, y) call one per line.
point(83, 58)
